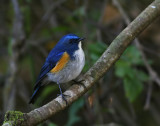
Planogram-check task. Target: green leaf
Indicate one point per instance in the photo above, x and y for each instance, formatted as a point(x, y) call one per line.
point(132, 77)
point(94, 57)
point(95, 15)
point(142, 76)
point(133, 56)
point(80, 11)
point(59, 29)
point(122, 68)
point(96, 50)
point(73, 117)
point(133, 88)
point(52, 124)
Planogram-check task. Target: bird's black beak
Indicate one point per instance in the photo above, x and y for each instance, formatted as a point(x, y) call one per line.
point(81, 39)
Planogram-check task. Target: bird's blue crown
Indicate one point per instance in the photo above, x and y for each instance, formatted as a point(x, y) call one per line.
point(68, 43)
point(69, 40)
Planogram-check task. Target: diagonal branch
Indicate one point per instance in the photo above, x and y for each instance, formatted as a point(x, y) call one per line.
point(109, 57)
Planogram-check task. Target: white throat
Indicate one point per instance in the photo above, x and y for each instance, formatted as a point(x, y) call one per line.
point(79, 54)
point(80, 45)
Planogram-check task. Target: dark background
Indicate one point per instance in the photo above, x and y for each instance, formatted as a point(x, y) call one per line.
point(127, 95)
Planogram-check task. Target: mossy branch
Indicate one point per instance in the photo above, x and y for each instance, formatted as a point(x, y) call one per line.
point(109, 57)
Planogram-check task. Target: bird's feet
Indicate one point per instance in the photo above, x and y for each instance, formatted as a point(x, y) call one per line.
point(63, 97)
point(79, 82)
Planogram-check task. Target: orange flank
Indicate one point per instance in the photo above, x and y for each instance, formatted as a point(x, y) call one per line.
point(62, 62)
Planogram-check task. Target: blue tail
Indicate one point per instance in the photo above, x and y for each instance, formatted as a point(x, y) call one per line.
point(35, 94)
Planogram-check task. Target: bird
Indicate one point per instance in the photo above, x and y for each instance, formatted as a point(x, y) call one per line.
point(63, 64)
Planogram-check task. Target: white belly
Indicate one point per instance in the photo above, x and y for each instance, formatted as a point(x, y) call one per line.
point(72, 69)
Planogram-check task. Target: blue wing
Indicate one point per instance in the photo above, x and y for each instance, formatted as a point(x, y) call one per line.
point(50, 63)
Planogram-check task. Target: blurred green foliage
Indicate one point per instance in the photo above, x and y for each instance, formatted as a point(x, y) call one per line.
point(52, 124)
point(95, 50)
point(126, 69)
point(62, 29)
point(73, 110)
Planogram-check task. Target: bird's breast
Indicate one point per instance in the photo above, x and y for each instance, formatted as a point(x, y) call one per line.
point(71, 70)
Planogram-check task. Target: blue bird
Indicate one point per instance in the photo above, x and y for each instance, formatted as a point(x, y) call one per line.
point(63, 64)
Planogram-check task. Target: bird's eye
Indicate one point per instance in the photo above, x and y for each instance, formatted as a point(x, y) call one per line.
point(71, 41)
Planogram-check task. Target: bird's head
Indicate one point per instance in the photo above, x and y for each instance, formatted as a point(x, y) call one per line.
point(70, 42)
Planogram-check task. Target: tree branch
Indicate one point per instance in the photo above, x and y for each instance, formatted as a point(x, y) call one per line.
point(109, 57)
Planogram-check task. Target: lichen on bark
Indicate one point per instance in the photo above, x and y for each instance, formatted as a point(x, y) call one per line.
point(13, 118)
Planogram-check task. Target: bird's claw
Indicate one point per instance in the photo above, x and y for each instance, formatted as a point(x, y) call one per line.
point(63, 97)
point(79, 83)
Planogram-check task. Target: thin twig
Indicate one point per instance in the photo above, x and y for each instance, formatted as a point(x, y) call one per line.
point(148, 98)
point(17, 39)
point(151, 51)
